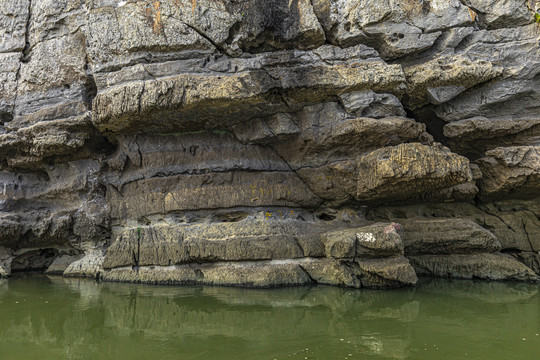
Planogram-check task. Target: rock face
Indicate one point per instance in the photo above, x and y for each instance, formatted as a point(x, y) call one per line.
point(269, 143)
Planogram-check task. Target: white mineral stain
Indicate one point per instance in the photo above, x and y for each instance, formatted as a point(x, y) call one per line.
point(367, 237)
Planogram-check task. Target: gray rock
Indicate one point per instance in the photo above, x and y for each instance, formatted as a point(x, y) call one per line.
point(393, 28)
point(493, 266)
point(413, 168)
point(248, 274)
point(383, 273)
point(443, 94)
point(3, 272)
point(447, 236)
point(513, 222)
point(8, 85)
point(510, 170)
point(261, 143)
point(505, 14)
point(369, 104)
point(60, 264)
point(88, 266)
point(529, 259)
point(479, 134)
point(13, 19)
point(442, 79)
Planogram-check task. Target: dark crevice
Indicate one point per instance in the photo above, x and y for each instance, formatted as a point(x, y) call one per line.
point(527, 234)
point(434, 124)
point(235, 216)
point(5, 117)
point(326, 217)
point(202, 34)
point(307, 274)
point(36, 260)
point(298, 176)
point(26, 49)
point(90, 91)
point(233, 30)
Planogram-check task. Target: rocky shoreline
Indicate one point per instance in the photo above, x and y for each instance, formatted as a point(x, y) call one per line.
point(271, 143)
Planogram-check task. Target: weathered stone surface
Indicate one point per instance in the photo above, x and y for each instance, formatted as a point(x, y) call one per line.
point(530, 259)
point(413, 168)
point(13, 19)
point(168, 245)
point(248, 274)
point(245, 143)
point(51, 86)
point(477, 135)
point(8, 84)
point(417, 170)
point(122, 34)
point(441, 94)
point(88, 266)
point(394, 28)
point(386, 273)
point(493, 266)
point(61, 264)
point(370, 104)
point(28, 147)
point(320, 145)
point(205, 98)
point(425, 81)
point(447, 236)
point(389, 272)
point(495, 14)
point(374, 241)
point(513, 222)
point(393, 272)
point(215, 190)
point(6, 257)
point(515, 92)
point(250, 239)
point(510, 170)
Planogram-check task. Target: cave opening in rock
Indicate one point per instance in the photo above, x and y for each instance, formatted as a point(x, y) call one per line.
point(34, 260)
point(434, 124)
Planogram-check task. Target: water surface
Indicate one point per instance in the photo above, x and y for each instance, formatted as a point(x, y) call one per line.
point(55, 318)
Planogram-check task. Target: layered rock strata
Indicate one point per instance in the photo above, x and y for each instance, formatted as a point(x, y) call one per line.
point(269, 143)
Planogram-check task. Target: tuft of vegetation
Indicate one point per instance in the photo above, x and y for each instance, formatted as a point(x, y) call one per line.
point(535, 11)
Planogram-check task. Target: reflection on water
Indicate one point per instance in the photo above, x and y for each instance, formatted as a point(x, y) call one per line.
point(57, 318)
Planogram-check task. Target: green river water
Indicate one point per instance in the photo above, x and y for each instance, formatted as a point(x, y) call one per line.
point(54, 318)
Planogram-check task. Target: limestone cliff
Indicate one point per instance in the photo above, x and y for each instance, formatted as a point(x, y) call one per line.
point(270, 142)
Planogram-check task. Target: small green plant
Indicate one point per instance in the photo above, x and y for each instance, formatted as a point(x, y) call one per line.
point(535, 11)
point(139, 233)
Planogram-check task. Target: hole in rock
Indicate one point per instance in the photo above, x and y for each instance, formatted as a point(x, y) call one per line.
point(90, 91)
point(231, 217)
point(326, 217)
point(5, 117)
point(35, 260)
point(434, 124)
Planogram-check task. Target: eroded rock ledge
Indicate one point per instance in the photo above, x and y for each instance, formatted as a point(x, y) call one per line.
point(272, 143)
